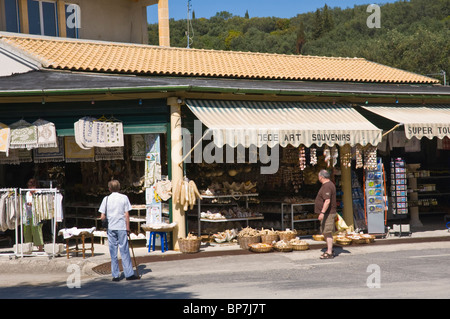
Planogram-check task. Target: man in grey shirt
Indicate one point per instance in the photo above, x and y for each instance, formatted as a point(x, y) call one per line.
point(115, 208)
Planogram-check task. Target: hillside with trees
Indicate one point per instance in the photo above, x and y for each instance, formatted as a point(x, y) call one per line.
point(414, 35)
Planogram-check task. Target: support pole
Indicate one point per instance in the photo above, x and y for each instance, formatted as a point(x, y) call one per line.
point(346, 181)
point(178, 214)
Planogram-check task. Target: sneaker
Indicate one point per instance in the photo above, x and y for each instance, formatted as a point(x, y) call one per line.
point(134, 277)
point(116, 279)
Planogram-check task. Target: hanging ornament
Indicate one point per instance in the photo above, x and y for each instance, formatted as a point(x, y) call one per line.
point(334, 156)
point(313, 156)
point(302, 158)
point(358, 155)
point(370, 158)
point(326, 153)
point(346, 159)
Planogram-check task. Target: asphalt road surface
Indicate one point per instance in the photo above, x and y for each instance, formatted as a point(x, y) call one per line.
point(388, 272)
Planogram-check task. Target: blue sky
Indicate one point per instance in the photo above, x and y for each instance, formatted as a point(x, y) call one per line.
point(256, 8)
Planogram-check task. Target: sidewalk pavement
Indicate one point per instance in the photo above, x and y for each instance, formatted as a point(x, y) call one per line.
point(99, 263)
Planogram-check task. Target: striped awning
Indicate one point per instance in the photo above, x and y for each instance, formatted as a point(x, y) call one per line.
point(419, 121)
point(259, 123)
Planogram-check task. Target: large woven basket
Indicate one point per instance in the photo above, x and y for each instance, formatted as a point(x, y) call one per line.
point(344, 241)
point(287, 236)
point(189, 246)
point(245, 241)
point(300, 246)
point(258, 249)
point(269, 239)
point(283, 249)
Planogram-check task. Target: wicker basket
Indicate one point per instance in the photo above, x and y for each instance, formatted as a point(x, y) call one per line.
point(189, 246)
point(245, 241)
point(344, 241)
point(358, 240)
point(258, 249)
point(287, 236)
point(283, 249)
point(269, 239)
point(300, 246)
point(369, 238)
point(318, 237)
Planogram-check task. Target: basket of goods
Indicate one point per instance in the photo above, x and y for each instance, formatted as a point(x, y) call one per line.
point(368, 238)
point(318, 237)
point(225, 236)
point(248, 236)
point(357, 239)
point(298, 244)
point(287, 235)
point(260, 247)
point(282, 246)
point(190, 244)
point(341, 240)
point(268, 236)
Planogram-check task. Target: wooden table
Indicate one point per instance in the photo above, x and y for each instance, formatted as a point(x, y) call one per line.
point(83, 236)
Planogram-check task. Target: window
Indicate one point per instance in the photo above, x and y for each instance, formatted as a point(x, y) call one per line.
point(12, 16)
point(42, 18)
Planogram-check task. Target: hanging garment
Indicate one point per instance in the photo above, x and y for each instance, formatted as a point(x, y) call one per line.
point(12, 158)
point(46, 133)
point(50, 154)
point(5, 135)
point(3, 213)
point(108, 153)
point(74, 154)
point(138, 147)
point(23, 135)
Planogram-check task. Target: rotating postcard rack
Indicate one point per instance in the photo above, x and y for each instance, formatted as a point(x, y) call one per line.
point(375, 199)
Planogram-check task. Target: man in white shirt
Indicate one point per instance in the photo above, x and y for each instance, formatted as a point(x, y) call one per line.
point(115, 208)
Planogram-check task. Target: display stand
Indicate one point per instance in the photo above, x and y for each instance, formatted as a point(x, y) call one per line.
point(54, 191)
point(375, 199)
point(199, 208)
point(399, 192)
point(292, 205)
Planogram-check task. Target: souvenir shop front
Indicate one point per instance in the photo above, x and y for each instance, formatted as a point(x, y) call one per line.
point(256, 163)
point(416, 155)
point(74, 149)
point(381, 178)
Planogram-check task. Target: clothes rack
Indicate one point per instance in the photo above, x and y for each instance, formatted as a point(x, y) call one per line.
point(17, 213)
point(53, 191)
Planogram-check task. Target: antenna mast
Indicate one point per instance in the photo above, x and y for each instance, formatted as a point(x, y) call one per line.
point(188, 17)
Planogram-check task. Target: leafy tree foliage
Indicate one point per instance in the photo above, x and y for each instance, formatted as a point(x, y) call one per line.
point(413, 35)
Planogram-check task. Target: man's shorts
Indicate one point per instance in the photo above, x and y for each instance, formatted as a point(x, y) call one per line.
point(327, 224)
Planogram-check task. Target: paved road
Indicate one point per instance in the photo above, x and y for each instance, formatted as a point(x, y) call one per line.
point(400, 271)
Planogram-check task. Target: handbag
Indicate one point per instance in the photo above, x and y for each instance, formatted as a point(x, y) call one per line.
point(105, 221)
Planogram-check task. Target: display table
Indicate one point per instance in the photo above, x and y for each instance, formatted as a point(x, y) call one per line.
point(82, 236)
point(78, 234)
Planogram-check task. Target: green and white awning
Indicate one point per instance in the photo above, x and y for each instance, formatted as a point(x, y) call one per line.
point(259, 123)
point(419, 121)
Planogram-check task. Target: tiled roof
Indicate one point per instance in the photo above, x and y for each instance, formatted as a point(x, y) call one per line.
point(110, 57)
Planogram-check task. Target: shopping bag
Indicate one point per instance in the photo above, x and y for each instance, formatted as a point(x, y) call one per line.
point(340, 223)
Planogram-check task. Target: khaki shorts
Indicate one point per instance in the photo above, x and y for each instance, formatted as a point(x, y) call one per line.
point(327, 224)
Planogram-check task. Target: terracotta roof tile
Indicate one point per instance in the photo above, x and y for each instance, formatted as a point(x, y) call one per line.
point(89, 55)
